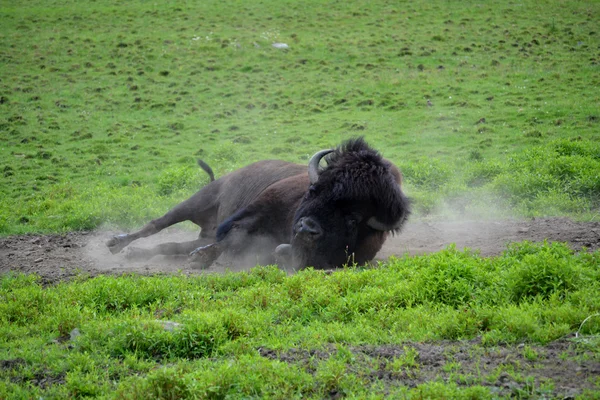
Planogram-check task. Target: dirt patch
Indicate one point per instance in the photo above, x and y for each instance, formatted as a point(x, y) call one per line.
point(491, 237)
point(61, 257)
point(42, 379)
point(12, 363)
point(562, 369)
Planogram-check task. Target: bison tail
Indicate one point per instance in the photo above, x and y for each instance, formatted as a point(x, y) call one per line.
point(207, 169)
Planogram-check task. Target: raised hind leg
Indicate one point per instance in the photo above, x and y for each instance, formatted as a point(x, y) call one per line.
point(119, 242)
point(199, 209)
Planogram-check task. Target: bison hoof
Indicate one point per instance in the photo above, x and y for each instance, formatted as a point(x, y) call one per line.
point(116, 243)
point(204, 256)
point(137, 254)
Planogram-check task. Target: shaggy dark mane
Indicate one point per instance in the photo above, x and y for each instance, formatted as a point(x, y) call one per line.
point(357, 166)
point(355, 146)
point(357, 173)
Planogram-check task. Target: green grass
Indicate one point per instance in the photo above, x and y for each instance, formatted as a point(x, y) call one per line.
point(102, 104)
point(105, 106)
point(128, 345)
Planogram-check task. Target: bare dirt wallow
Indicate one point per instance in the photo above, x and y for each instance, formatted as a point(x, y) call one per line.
point(571, 366)
point(61, 257)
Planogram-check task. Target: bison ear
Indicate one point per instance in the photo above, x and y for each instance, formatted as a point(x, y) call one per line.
point(313, 165)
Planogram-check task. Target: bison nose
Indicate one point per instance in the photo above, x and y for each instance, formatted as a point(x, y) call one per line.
point(308, 226)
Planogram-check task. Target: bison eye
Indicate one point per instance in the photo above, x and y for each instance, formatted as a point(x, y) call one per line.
point(353, 220)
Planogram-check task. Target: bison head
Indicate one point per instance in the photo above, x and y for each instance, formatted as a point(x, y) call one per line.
point(349, 208)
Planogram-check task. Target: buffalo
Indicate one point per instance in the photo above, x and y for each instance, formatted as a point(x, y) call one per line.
point(286, 213)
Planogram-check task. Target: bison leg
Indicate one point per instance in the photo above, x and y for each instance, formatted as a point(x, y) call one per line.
point(119, 242)
point(232, 242)
point(165, 249)
point(242, 245)
point(199, 209)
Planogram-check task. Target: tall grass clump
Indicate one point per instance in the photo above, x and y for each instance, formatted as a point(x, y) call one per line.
point(562, 173)
point(197, 338)
point(249, 376)
point(558, 178)
point(531, 274)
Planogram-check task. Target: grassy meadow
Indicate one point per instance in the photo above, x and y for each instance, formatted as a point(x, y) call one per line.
point(106, 105)
point(491, 110)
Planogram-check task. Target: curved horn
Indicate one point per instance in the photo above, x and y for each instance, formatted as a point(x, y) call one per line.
point(284, 249)
point(374, 223)
point(313, 165)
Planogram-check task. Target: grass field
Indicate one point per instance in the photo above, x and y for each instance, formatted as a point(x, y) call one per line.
point(106, 105)
point(491, 110)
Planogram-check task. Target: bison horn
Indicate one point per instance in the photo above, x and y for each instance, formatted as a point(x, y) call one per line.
point(283, 249)
point(374, 223)
point(313, 165)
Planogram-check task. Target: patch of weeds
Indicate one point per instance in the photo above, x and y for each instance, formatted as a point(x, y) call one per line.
point(452, 280)
point(114, 294)
point(407, 364)
point(32, 303)
point(482, 173)
point(451, 366)
point(150, 340)
point(475, 155)
point(542, 274)
point(164, 383)
point(249, 376)
point(534, 133)
point(530, 353)
point(559, 171)
point(330, 376)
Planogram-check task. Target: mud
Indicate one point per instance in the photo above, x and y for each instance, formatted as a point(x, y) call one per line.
point(61, 257)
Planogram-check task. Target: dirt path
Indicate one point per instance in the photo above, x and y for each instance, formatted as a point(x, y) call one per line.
point(59, 257)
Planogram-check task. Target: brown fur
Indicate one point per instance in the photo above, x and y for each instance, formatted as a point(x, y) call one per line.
point(273, 202)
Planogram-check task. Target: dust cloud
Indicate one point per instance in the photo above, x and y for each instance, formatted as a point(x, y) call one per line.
point(103, 260)
point(476, 220)
point(479, 222)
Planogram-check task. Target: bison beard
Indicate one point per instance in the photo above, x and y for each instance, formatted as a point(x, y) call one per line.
point(289, 214)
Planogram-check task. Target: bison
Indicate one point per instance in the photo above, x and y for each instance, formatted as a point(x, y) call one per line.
point(283, 212)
